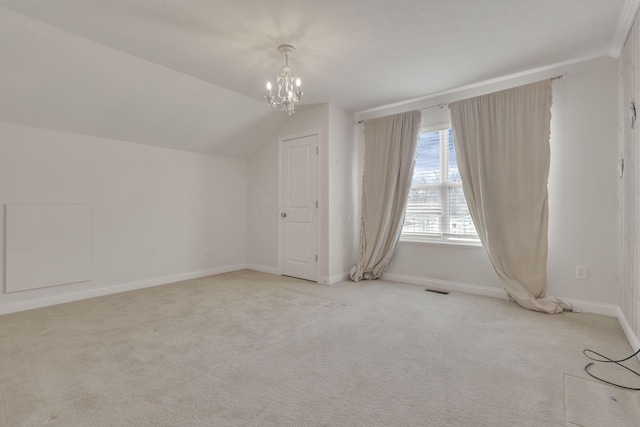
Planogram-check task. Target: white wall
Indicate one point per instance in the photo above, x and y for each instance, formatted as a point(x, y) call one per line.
point(262, 190)
point(583, 184)
point(582, 194)
point(337, 193)
point(343, 194)
point(56, 80)
point(153, 209)
point(262, 207)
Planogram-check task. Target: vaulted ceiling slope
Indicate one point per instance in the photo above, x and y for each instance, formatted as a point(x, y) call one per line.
point(190, 74)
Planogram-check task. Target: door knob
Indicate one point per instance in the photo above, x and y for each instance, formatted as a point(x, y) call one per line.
point(283, 214)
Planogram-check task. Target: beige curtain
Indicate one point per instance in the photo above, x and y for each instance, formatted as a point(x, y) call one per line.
point(502, 146)
point(389, 151)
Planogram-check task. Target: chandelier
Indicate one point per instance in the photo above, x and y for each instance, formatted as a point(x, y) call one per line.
point(288, 94)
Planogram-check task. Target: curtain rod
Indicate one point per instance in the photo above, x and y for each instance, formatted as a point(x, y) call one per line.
point(445, 104)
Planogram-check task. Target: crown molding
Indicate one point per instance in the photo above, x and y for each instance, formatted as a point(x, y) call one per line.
point(624, 26)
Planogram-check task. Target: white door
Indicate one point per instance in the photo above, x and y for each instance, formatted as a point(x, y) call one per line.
point(299, 207)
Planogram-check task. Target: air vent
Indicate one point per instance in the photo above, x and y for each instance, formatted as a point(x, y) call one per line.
point(435, 291)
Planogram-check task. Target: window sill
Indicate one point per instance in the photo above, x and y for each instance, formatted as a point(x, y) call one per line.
point(422, 241)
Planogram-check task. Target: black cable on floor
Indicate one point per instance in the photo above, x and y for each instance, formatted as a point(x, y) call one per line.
point(605, 359)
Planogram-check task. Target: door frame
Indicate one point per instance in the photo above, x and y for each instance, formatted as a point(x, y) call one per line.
point(281, 140)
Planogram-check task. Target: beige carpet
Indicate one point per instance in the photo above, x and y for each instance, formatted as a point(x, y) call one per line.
point(252, 349)
point(591, 403)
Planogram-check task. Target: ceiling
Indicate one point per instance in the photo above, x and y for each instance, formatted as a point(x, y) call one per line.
point(190, 74)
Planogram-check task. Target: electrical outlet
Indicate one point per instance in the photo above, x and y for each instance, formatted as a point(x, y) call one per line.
point(581, 272)
point(205, 250)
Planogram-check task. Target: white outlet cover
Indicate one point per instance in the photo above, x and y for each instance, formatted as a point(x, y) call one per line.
point(581, 272)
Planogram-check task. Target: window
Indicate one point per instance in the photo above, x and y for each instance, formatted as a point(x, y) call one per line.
point(436, 208)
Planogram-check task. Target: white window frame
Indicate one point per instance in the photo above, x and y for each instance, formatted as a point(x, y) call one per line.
point(444, 237)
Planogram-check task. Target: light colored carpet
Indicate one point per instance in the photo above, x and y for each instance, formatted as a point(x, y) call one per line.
point(252, 349)
point(594, 404)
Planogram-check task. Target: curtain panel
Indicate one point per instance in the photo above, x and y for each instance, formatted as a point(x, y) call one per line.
point(502, 146)
point(390, 145)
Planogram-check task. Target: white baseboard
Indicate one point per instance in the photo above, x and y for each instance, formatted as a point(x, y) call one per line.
point(628, 331)
point(263, 269)
point(445, 285)
point(332, 280)
point(325, 280)
point(585, 306)
point(39, 302)
point(488, 291)
point(592, 307)
point(345, 275)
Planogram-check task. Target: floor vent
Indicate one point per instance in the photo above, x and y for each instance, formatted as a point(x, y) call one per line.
point(435, 291)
